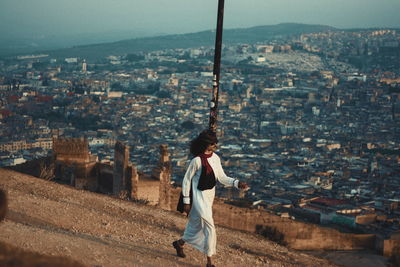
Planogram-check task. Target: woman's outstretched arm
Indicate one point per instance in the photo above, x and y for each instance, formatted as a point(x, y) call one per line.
point(225, 179)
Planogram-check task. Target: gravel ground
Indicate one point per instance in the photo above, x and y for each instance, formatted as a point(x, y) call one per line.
point(99, 230)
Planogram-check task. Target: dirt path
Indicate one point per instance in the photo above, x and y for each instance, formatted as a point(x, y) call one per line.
point(99, 230)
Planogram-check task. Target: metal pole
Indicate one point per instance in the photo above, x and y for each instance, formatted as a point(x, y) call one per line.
point(217, 68)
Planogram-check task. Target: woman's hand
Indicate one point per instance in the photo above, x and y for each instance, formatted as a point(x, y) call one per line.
point(186, 209)
point(243, 185)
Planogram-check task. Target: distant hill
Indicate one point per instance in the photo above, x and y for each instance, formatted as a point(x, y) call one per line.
point(204, 38)
point(12, 45)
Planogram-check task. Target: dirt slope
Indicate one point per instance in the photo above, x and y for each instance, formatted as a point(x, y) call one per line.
point(99, 230)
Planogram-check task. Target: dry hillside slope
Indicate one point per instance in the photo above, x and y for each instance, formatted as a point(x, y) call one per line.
point(99, 230)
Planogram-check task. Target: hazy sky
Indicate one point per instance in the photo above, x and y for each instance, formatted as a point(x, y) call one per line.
point(60, 17)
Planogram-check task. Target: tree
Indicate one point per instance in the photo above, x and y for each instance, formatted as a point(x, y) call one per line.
point(46, 171)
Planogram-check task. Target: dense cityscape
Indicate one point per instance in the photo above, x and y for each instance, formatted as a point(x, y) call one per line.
point(310, 122)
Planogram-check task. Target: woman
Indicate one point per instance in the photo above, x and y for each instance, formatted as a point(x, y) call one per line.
point(200, 178)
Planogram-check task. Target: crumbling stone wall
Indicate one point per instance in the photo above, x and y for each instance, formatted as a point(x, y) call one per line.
point(154, 188)
point(133, 182)
point(105, 175)
point(74, 164)
point(148, 190)
point(125, 176)
point(71, 149)
point(121, 161)
point(391, 250)
point(162, 173)
point(295, 234)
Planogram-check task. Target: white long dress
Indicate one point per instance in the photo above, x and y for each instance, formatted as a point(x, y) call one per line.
point(200, 229)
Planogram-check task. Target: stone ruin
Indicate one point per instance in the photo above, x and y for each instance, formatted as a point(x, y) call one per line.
point(73, 162)
point(71, 149)
point(127, 183)
point(125, 176)
point(75, 166)
point(162, 173)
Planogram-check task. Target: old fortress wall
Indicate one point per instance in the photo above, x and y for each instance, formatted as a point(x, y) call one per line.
point(295, 234)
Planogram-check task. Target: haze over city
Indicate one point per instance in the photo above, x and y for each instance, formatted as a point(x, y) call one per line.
point(25, 19)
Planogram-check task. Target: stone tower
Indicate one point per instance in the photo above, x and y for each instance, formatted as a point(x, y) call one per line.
point(121, 160)
point(73, 162)
point(163, 173)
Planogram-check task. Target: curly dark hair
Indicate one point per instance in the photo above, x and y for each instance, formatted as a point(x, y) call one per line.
point(201, 142)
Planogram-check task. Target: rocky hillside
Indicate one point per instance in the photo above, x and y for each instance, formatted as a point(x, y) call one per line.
point(98, 230)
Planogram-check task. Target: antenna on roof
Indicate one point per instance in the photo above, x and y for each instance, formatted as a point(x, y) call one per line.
point(217, 68)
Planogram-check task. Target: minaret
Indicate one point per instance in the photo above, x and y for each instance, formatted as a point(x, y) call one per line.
point(84, 66)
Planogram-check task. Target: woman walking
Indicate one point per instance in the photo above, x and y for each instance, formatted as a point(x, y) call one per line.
point(199, 181)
